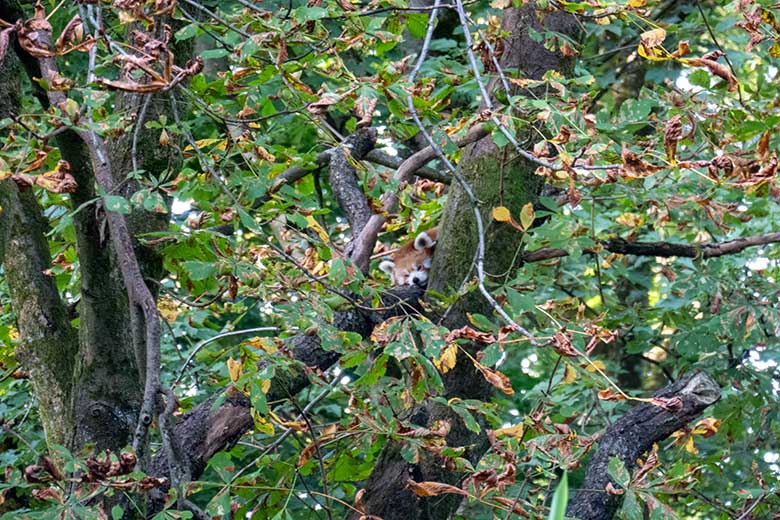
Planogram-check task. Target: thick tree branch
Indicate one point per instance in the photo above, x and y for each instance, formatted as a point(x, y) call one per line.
point(49, 342)
point(144, 317)
point(663, 249)
point(344, 181)
point(634, 434)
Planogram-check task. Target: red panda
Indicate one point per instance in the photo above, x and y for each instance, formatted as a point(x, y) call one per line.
point(410, 264)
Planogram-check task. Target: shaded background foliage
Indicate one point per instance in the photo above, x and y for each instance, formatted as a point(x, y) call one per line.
point(283, 83)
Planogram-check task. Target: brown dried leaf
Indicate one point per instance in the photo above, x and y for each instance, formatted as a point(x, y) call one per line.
point(364, 108)
point(563, 137)
point(5, 38)
point(763, 145)
point(717, 69)
point(634, 167)
point(141, 88)
point(609, 395)
point(671, 404)
point(327, 100)
point(432, 489)
point(612, 490)
point(561, 343)
point(648, 465)
point(682, 49)
point(496, 378)
point(470, 334)
point(58, 180)
point(72, 38)
point(47, 494)
point(653, 38)
point(438, 430)
point(509, 502)
point(672, 134)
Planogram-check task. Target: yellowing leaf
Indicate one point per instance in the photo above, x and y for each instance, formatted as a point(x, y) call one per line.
point(265, 385)
point(527, 216)
point(206, 143)
point(593, 365)
point(502, 214)
point(262, 344)
point(262, 424)
point(636, 3)
point(569, 374)
point(515, 431)
point(447, 358)
point(632, 220)
point(317, 228)
point(234, 369)
point(690, 447)
point(707, 427)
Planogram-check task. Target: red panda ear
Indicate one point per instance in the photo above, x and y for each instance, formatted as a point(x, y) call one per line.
point(423, 241)
point(387, 266)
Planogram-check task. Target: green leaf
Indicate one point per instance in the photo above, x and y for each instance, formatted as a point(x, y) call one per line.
point(200, 270)
point(187, 32)
point(560, 499)
point(116, 204)
point(417, 23)
point(617, 470)
point(481, 322)
point(117, 512)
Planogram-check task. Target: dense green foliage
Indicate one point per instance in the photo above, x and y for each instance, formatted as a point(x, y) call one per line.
point(693, 145)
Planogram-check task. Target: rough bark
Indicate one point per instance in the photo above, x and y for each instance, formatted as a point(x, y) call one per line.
point(343, 182)
point(497, 178)
point(48, 340)
point(634, 434)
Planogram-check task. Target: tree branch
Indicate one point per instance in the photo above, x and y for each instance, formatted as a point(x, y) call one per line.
point(344, 181)
point(144, 317)
point(49, 342)
point(634, 434)
point(663, 249)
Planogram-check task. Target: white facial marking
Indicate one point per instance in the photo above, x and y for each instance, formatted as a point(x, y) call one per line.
point(422, 241)
point(387, 266)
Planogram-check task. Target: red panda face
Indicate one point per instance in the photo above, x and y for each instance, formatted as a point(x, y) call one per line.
point(411, 263)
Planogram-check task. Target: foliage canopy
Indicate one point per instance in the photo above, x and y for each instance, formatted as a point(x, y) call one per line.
point(648, 254)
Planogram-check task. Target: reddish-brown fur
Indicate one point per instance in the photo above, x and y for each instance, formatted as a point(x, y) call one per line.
point(410, 264)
